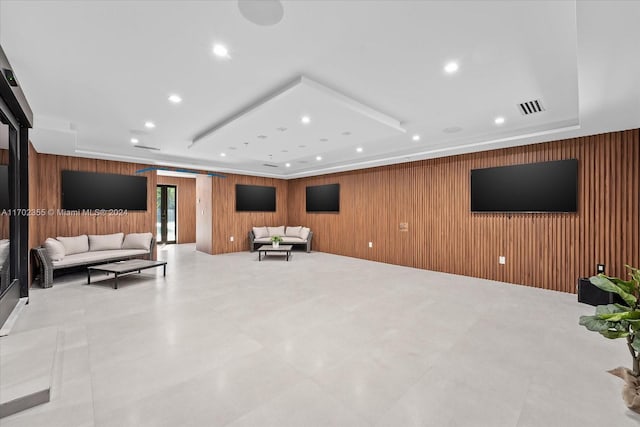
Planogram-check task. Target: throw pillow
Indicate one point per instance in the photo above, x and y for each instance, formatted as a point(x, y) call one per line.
point(137, 241)
point(304, 233)
point(276, 231)
point(55, 249)
point(260, 232)
point(105, 242)
point(293, 231)
point(75, 245)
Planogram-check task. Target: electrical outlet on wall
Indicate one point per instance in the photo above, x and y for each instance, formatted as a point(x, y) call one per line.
point(600, 268)
point(502, 259)
point(231, 239)
point(370, 244)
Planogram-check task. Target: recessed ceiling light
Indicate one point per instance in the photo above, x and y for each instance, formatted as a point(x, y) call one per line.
point(220, 51)
point(223, 155)
point(287, 165)
point(149, 125)
point(176, 99)
point(451, 67)
point(318, 158)
point(305, 119)
point(134, 140)
point(499, 120)
point(359, 149)
point(416, 137)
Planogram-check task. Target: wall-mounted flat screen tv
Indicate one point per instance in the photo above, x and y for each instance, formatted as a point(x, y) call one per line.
point(4, 187)
point(323, 198)
point(91, 190)
point(255, 198)
point(533, 187)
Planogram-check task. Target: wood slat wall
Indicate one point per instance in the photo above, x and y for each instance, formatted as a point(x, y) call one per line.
point(44, 188)
point(186, 189)
point(227, 222)
point(543, 250)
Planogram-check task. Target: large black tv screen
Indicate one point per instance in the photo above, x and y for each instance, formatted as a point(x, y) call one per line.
point(323, 198)
point(255, 198)
point(91, 190)
point(533, 187)
point(5, 203)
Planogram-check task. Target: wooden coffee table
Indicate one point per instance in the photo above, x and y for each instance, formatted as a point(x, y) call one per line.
point(270, 249)
point(125, 267)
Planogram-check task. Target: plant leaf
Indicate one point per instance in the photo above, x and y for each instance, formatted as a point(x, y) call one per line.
point(610, 309)
point(616, 317)
point(593, 323)
point(604, 283)
point(636, 343)
point(614, 334)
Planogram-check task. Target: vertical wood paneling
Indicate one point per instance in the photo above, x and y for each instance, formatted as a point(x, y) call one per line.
point(44, 183)
point(544, 250)
point(186, 189)
point(227, 222)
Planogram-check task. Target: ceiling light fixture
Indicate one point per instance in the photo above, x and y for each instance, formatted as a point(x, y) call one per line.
point(306, 120)
point(318, 158)
point(149, 125)
point(134, 140)
point(223, 154)
point(175, 99)
point(416, 137)
point(451, 67)
point(287, 165)
point(499, 120)
point(359, 149)
point(221, 51)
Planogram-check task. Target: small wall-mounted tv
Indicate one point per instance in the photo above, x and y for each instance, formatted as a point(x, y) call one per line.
point(91, 190)
point(5, 203)
point(534, 187)
point(323, 198)
point(255, 198)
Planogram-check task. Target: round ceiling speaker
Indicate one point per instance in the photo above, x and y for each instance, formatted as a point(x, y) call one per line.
point(261, 12)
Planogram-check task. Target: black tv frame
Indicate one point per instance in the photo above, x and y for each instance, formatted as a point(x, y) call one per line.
point(89, 204)
point(334, 190)
point(529, 167)
point(265, 198)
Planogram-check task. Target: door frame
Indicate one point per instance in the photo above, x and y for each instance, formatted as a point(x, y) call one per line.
point(163, 213)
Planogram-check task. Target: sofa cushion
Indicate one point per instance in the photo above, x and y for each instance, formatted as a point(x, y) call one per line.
point(75, 245)
point(260, 232)
point(289, 239)
point(97, 256)
point(105, 242)
point(276, 231)
point(304, 233)
point(263, 240)
point(137, 241)
point(293, 231)
point(55, 249)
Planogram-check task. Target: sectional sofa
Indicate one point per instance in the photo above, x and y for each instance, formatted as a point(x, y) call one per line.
point(85, 250)
point(290, 236)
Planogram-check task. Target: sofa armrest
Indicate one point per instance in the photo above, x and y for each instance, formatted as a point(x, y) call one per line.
point(151, 245)
point(309, 241)
point(252, 238)
point(44, 265)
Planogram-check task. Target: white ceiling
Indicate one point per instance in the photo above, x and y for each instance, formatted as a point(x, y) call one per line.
point(95, 71)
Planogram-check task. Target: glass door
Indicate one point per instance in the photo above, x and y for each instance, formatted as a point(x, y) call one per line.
point(166, 225)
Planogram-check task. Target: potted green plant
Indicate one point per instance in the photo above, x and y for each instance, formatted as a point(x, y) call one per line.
point(275, 241)
point(621, 321)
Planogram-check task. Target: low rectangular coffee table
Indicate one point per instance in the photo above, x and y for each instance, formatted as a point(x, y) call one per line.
point(125, 267)
point(270, 249)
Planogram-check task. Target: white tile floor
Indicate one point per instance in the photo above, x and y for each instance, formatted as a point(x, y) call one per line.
point(321, 340)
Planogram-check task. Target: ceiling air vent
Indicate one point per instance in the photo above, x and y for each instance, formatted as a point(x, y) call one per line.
point(146, 147)
point(269, 165)
point(531, 107)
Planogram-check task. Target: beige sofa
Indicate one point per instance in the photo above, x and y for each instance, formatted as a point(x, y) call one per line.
point(84, 250)
point(299, 235)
